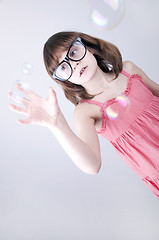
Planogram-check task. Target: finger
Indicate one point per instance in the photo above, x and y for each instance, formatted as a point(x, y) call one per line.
point(17, 109)
point(25, 101)
point(27, 90)
point(24, 88)
point(52, 95)
point(23, 121)
point(18, 99)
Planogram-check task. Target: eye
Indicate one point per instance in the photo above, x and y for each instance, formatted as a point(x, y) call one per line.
point(73, 52)
point(63, 67)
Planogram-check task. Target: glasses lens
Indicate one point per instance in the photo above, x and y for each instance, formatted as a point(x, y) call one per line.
point(63, 71)
point(77, 51)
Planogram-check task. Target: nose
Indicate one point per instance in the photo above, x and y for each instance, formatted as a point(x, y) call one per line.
point(74, 64)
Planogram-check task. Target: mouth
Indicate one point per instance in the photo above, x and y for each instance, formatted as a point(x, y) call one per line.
point(82, 70)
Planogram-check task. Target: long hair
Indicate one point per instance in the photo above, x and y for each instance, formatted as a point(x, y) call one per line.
point(108, 58)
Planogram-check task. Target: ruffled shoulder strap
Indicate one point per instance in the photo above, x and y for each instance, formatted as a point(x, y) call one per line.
point(125, 73)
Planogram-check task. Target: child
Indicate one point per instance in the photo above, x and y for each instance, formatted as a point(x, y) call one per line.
point(92, 76)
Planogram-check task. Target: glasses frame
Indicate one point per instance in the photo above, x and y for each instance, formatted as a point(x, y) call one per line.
point(78, 39)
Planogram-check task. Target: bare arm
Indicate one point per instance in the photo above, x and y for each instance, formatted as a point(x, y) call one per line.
point(46, 112)
point(80, 149)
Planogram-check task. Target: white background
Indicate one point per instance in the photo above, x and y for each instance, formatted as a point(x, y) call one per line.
point(43, 195)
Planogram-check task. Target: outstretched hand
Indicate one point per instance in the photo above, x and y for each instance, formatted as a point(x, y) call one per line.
point(38, 110)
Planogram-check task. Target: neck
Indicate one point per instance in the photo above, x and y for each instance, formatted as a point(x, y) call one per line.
point(99, 82)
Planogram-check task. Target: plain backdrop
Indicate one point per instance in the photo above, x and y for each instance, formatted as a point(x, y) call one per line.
point(43, 195)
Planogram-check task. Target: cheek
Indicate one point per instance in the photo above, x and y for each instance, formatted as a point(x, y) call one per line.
point(91, 60)
point(92, 64)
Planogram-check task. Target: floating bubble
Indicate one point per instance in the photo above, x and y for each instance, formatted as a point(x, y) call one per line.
point(25, 86)
point(15, 94)
point(16, 97)
point(26, 68)
point(106, 14)
point(119, 108)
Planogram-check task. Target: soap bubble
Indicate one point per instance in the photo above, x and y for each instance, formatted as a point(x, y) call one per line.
point(106, 14)
point(119, 107)
point(26, 68)
point(15, 94)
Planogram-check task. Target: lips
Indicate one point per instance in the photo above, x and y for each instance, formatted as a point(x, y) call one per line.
point(82, 70)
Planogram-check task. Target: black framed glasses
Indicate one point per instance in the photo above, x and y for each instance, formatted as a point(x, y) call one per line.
point(76, 52)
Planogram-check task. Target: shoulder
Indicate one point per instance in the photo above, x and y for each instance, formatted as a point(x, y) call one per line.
point(131, 68)
point(83, 121)
point(80, 108)
point(82, 112)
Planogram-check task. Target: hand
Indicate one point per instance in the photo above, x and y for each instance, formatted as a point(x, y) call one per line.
point(40, 111)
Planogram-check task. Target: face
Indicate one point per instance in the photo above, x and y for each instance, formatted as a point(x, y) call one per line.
point(78, 62)
point(83, 70)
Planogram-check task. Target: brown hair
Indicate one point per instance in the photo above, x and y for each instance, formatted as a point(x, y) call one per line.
point(108, 58)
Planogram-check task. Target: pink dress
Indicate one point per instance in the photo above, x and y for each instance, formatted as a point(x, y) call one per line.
point(135, 134)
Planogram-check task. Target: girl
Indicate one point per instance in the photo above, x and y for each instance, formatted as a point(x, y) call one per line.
point(93, 76)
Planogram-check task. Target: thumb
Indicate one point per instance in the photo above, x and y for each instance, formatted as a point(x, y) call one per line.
point(52, 95)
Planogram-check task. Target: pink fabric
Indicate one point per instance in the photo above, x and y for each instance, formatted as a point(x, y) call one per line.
point(135, 135)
